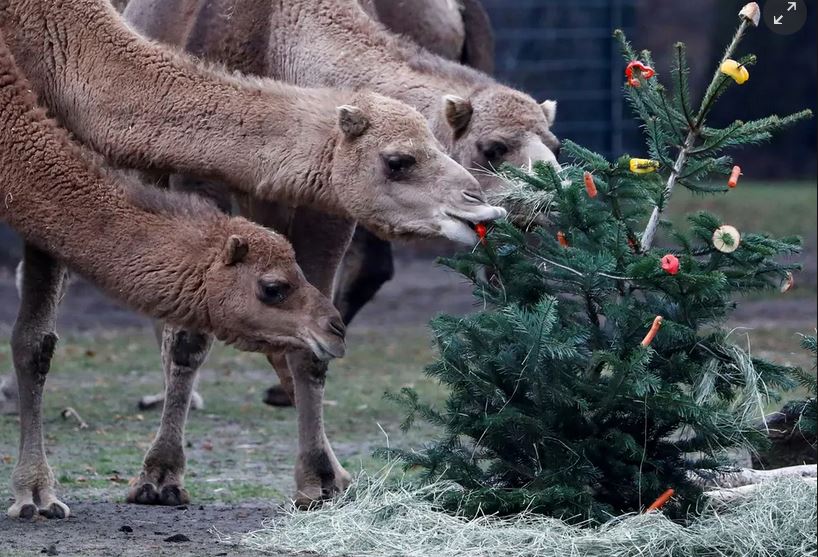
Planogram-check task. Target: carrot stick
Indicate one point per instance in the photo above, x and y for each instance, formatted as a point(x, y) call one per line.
point(590, 187)
point(734, 176)
point(654, 330)
point(660, 502)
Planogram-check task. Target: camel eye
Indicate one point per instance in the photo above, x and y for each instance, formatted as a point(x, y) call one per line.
point(398, 164)
point(272, 293)
point(494, 151)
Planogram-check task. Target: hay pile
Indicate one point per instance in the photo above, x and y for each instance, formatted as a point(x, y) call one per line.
point(378, 518)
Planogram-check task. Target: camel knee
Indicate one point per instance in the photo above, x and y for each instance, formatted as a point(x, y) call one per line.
point(32, 352)
point(312, 370)
point(188, 349)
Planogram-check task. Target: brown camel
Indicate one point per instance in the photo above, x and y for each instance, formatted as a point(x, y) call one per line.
point(355, 155)
point(183, 261)
point(457, 30)
point(334, 43)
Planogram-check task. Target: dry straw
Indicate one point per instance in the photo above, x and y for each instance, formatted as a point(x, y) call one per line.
point(379, 517)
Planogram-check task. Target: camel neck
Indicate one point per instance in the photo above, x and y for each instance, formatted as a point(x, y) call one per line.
point(143, 106)
point(56, 196)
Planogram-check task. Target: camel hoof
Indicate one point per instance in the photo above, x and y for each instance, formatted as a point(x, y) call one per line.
point(174, 496)
point(144, 494)
point(55, 510)
point(148, 403)
point(304, 502)
point(26, 512)
point(277, 396)
point(9, 403)
point(196, 401)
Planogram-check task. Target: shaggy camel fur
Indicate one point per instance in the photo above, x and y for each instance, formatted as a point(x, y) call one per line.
point(376, 162)
point(183, 262)
point(458, 30)
point(334, 42)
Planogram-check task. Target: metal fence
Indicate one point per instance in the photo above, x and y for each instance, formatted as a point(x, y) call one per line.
point(564, 50)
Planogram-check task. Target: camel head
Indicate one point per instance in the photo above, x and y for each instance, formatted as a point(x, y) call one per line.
point(498, 125)
point(396, 177)
point(259, 300)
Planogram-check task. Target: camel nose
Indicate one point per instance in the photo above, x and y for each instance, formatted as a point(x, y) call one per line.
point(475, 197)
point(335, 326)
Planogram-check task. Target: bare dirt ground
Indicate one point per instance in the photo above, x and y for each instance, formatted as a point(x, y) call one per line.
point(102, 529)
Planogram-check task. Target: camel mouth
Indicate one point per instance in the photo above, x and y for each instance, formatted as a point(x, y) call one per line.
point(323, 347)
point(460, 227)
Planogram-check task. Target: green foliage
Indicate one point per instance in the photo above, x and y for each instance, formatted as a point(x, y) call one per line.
point(806, 409)
point(556, 405)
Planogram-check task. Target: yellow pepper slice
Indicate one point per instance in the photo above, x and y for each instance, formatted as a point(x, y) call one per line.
point(735, 70)
point(643, 166)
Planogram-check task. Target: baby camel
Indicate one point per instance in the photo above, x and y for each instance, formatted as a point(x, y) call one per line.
point(356, 155)
point(170, 257)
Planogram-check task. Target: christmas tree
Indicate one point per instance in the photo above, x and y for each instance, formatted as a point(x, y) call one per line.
point(807, 410)
point(600, 373)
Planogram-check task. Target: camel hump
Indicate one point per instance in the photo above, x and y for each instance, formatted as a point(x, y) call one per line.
point(478, 47)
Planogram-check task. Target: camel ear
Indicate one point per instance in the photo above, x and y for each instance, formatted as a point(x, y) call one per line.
point(352, 121)
point(549, 108)
point(458, 113)
point(235, 250)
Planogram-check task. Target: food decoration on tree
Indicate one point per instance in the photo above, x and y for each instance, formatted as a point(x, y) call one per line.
point(654, 330)
point(787, 283)
point(734, 176)
point(661, 501)
point(726, 239)
point(481, 231)
point(646, 71)
point(670, 264)
point(737, 71)
point(590, 186)
point(751, 12)
point(643, 166)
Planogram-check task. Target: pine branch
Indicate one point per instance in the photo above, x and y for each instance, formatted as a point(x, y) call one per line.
point(712, 92)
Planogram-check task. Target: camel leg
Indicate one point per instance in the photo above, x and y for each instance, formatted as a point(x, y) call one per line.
point(9, 399)
point(149, 402)
point(366, 267)
point(161, 479)
point(217, 194)
point(283, 394)
point(33, 342)
point(318, 474)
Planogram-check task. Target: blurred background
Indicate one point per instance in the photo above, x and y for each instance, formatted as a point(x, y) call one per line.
point(562, 49)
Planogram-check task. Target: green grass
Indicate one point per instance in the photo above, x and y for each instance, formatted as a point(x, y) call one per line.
point(238, 449)
point(780, 208)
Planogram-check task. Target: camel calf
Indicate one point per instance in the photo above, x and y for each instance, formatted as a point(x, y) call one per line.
point(171, 257)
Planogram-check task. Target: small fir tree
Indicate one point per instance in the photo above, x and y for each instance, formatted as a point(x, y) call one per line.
point(565, 396)
point(807, 410)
